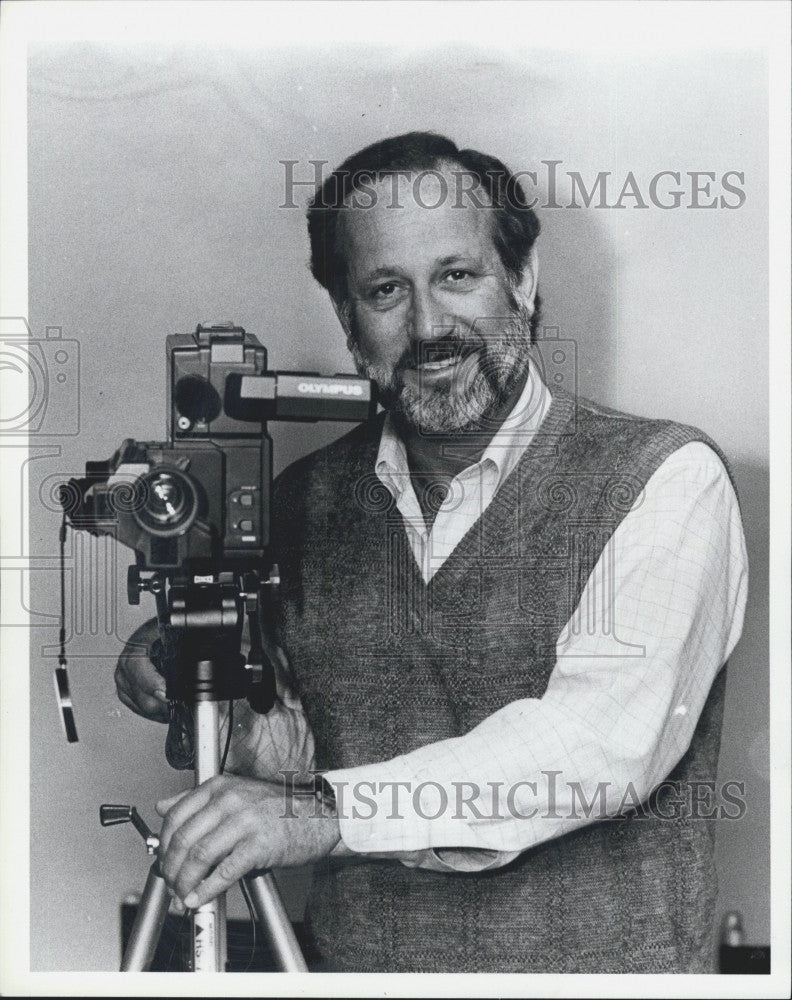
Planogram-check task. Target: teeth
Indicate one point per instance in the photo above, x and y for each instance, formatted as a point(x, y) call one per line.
point(433, 366)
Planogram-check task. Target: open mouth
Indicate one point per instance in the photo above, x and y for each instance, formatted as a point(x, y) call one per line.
point(438, 356)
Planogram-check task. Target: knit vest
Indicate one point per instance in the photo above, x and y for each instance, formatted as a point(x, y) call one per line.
point(385, 663)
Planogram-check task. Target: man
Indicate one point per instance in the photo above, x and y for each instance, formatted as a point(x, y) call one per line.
point(504, 613)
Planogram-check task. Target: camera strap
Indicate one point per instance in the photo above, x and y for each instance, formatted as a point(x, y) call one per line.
point(62, 692)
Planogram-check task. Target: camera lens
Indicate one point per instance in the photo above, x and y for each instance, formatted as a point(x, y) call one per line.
point(166, 505)
point(171, 503)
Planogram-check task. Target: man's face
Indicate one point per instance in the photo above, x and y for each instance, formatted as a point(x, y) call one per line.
point(431, 316)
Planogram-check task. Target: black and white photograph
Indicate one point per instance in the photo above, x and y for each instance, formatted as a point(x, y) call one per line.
point(395, 444)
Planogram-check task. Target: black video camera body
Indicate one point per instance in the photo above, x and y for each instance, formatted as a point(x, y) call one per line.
point(200, 503)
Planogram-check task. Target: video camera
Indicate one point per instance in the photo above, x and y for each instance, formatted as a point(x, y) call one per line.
point(200, 502)
point(196, 508)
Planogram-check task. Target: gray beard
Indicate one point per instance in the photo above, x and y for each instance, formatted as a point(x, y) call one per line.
point(459, 406)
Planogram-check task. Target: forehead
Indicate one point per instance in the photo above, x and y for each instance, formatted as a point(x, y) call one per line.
point(405, 222)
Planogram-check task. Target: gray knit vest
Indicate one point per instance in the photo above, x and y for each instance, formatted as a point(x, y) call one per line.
point(385, 664)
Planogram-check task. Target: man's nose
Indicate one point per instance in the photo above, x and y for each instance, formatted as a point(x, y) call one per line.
point(427, 319)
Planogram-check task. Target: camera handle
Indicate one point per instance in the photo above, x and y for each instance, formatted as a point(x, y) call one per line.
point(207, 620)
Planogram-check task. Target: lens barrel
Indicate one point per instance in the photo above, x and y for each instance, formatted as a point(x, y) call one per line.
point(171, 503)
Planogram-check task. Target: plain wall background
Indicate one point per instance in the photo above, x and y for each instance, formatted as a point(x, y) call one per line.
point(154, 186)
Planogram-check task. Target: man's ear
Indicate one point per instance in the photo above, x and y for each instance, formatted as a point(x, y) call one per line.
point(525, 292)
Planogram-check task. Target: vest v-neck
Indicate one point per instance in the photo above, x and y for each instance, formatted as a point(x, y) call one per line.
point(499, 514)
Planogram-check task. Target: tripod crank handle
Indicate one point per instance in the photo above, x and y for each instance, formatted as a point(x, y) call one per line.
point(111, 815)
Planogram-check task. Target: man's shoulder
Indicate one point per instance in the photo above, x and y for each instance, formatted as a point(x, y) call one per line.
point(599, 437)
point(629, 430)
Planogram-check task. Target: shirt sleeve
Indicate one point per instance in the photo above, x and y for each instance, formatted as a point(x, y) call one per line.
point(621, 706)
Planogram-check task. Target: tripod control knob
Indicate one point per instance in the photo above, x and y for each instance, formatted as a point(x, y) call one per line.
point(110, 815)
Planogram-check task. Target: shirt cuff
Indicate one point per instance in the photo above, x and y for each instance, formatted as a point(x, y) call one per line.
point(387, 808)
point(460, 859)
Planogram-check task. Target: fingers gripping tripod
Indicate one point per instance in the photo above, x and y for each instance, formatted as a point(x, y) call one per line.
point(206, 615)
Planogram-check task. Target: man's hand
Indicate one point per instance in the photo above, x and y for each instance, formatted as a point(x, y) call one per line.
point(228, 826)
point(138, 683)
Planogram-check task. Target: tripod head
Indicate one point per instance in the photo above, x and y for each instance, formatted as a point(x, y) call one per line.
point(200, 620)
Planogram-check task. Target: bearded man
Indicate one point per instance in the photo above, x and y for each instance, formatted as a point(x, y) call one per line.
point(503, 620)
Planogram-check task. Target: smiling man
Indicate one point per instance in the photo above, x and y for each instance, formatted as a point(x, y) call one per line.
point(504, 618)
point(432, 314)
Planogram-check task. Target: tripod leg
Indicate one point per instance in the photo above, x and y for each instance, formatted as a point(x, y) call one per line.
point(209, 920)
point(274, 920)
point(147, 928)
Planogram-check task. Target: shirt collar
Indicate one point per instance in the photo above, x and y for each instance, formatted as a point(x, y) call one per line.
point(503, 452)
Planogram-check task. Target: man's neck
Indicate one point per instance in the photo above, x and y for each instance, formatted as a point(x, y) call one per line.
point(441, 457)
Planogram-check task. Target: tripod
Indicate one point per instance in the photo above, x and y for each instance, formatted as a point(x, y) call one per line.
point(208, 617)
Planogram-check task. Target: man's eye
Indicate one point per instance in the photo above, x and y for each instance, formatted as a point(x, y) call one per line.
point(459, 274)
point(384, 291)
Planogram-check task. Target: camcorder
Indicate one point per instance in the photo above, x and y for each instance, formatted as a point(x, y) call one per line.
point(196, 508)
point(199, 503)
